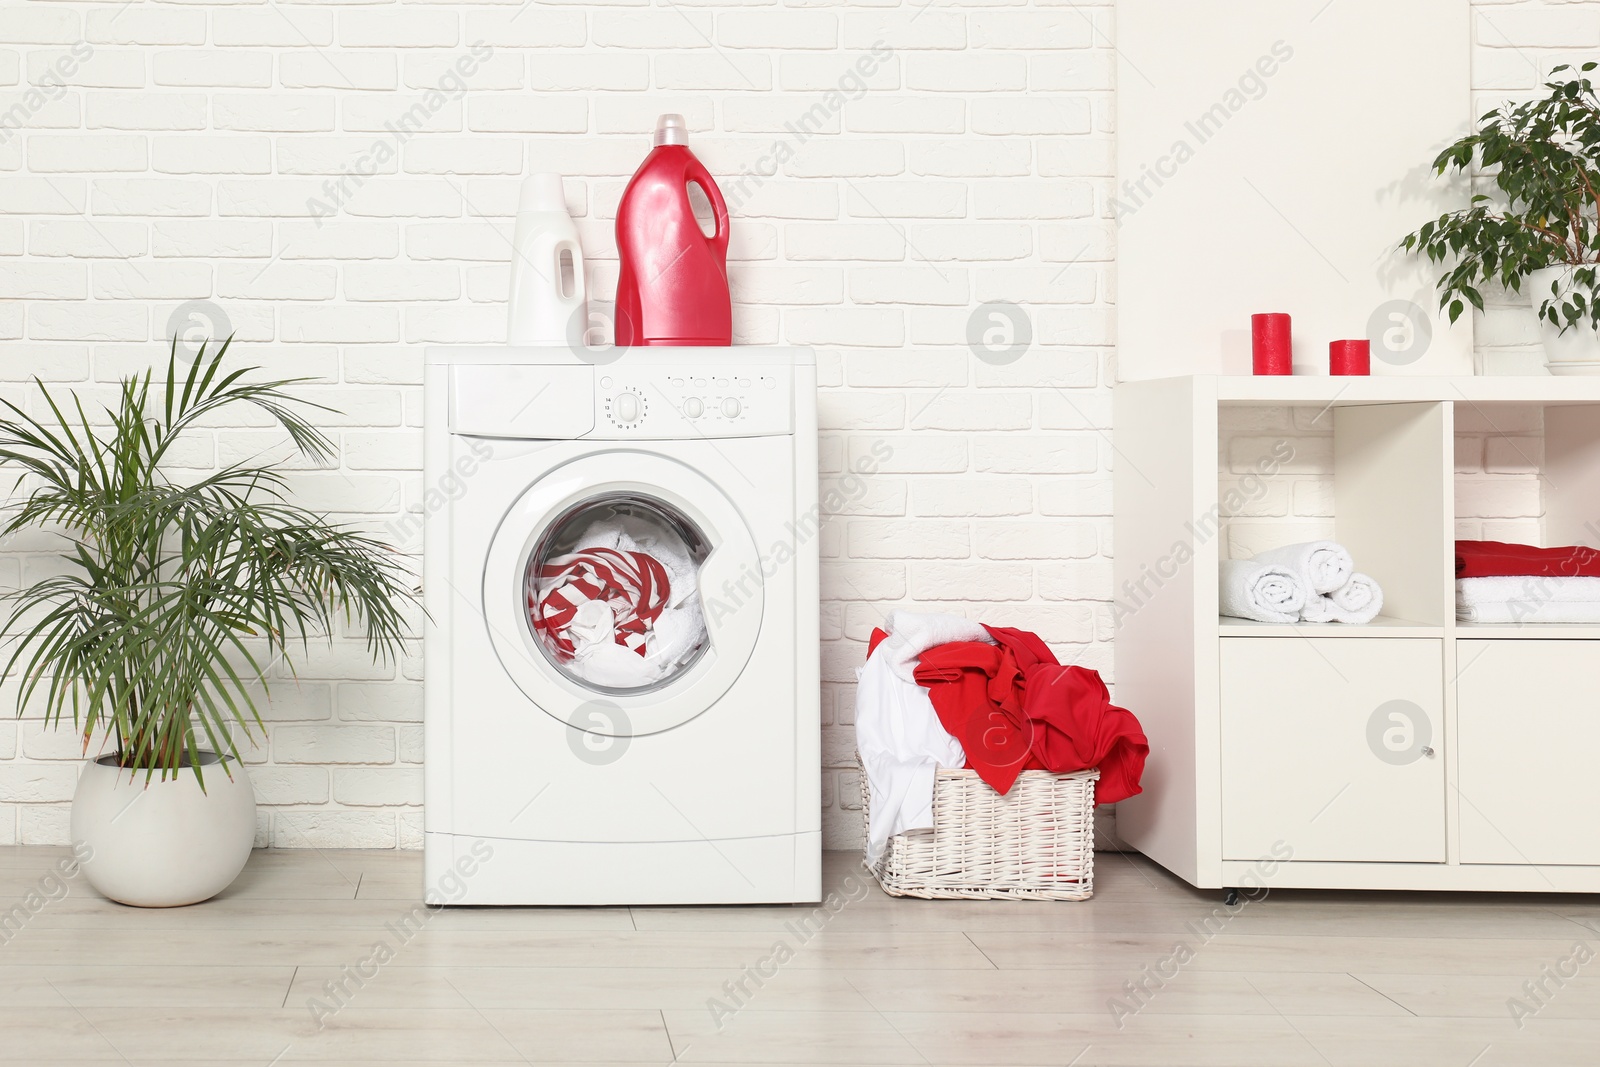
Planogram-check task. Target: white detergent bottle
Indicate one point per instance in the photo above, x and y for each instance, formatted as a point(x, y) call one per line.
point(548, 303)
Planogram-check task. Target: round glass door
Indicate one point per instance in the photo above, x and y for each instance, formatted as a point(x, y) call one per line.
point(612, 593)
point(669, 566)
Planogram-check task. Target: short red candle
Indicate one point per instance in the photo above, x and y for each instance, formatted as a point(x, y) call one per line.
point(1349, 357)
point(1271, 351)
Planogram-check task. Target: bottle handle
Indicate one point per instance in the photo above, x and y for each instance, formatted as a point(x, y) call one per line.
point(698, 174)
point(566, 245)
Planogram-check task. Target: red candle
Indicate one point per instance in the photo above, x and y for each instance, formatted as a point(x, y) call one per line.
point(1349, 357)
point(1270, 348)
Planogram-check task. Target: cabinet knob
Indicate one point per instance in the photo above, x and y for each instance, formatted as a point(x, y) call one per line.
point(1427, 751)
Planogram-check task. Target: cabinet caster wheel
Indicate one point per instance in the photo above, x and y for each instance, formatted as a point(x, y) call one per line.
point(1230, 898)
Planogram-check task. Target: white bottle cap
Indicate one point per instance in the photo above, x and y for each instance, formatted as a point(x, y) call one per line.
point(542, 192)
point(671, 129)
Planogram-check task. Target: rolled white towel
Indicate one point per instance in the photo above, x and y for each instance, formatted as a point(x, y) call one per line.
point(1360, 595)
point(1322, 565)
point(1265, 592)
point(1357, 602)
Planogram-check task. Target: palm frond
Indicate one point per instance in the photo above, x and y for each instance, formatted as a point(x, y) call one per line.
point(155, 633)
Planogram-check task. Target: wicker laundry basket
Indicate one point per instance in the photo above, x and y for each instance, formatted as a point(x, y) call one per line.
point(1034, 843)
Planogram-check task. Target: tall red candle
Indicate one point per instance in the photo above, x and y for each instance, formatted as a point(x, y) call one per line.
point(1270, 349)
point(1349, 357)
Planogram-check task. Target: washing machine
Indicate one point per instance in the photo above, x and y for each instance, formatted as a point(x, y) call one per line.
point(670, 756)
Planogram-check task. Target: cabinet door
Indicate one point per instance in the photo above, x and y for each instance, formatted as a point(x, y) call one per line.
point(1528, 712)
point(1332, 746)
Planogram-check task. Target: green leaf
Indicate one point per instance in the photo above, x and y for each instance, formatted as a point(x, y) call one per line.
point(177, 597)
point(1542, 157)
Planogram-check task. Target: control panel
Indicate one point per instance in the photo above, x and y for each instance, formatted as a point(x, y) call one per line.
point(687, 402)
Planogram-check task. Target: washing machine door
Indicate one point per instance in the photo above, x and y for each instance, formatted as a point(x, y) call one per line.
point(622, 592)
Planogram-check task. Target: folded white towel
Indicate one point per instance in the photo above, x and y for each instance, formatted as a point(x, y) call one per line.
point(911, 633)
point(1322, 565)
point(1357, 602)
point(1521, 611)
point(1528, 589)
point(1250, 589)
point(1511, 599)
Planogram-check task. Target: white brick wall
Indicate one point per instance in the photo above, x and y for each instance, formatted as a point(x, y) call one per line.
point(171, 151)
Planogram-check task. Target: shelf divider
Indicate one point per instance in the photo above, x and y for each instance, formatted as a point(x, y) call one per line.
point(1394, 509)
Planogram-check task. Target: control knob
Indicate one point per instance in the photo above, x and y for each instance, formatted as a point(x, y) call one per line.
point(625, 407)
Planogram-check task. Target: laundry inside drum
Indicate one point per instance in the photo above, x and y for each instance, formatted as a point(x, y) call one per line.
point(612, 593)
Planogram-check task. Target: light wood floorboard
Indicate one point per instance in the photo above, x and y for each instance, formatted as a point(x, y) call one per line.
point(278, 970)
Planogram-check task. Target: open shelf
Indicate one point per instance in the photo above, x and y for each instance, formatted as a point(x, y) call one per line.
point(1382, 626)
point(1371, 476)
point(1528, 473)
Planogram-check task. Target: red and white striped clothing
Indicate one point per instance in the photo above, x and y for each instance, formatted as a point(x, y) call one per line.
point(634, 585)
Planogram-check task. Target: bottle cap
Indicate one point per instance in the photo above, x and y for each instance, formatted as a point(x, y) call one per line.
point(542, 192)
point(671, 129)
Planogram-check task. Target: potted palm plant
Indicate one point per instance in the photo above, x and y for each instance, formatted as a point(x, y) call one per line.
point(175, 598)
point(1541, 226)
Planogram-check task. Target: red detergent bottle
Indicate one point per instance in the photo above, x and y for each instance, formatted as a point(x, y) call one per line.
point(673, 285)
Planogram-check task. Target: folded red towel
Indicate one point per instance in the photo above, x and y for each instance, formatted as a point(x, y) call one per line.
point(1488, 559)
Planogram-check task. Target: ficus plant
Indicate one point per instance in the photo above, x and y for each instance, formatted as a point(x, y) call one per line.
point(176, 595)
point(1545, 161)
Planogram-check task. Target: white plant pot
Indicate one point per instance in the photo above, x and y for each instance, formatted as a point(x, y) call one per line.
point(1577, 351)
point(163, 844)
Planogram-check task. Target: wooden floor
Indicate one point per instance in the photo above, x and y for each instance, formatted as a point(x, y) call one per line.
point(1298, 978)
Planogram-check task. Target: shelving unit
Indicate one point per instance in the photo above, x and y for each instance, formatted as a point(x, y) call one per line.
point(1411, 753)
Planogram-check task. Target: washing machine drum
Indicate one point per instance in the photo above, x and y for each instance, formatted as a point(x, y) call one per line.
point(623, 593)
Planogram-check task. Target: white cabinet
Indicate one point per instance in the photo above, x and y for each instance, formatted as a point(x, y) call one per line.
point(1415, 752)
point(1529, 716)
point(1331, 747)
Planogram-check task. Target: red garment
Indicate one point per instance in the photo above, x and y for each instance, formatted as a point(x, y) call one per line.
point(635, 586)
point(1486, 559)
point(1013, 707)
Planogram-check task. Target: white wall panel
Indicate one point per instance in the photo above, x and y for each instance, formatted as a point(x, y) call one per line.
point(1270, 155)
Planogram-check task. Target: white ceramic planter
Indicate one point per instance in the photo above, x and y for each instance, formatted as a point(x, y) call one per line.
point(1577, 351)
point(164, 844)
